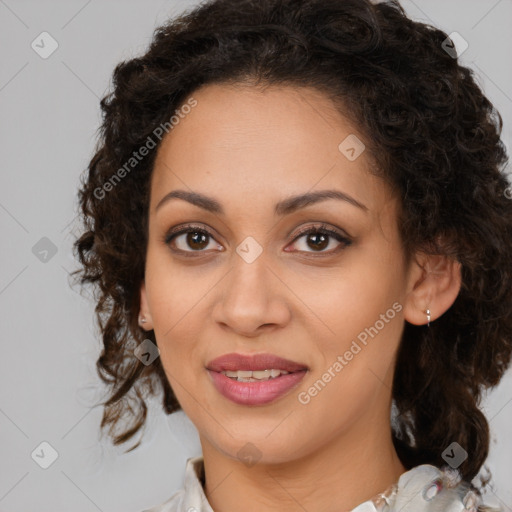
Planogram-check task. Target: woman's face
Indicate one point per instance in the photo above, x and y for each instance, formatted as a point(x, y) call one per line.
point(254, 284)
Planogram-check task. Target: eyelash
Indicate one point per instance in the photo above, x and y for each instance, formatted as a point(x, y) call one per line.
point(322, 229)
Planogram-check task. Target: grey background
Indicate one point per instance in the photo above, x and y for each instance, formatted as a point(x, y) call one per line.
point(49, 112)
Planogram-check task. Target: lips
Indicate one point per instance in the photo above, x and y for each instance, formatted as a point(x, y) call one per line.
point(255, 393)
point(255, 362)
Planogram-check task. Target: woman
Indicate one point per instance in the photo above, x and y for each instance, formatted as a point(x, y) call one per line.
point(297, 220)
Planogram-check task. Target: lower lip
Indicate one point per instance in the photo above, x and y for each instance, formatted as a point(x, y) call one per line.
point(255, 393)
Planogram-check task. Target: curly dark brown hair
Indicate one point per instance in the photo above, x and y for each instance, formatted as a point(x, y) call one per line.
point(434, 137)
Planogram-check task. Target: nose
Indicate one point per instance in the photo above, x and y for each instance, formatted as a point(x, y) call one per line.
point(252, 298)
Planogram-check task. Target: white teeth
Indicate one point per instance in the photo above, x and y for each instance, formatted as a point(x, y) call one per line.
point(253, 376)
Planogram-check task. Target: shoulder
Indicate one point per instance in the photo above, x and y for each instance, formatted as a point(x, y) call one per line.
point(427, 488)
point(191, 497)
point(173, 504)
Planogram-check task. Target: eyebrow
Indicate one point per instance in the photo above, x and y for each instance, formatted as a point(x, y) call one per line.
point(284, 207)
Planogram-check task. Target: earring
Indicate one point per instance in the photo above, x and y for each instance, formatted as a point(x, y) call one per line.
point(142, 319)
point(428, 317)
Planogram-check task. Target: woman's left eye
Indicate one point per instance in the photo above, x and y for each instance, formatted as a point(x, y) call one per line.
point(198, 239)
point(319, 239)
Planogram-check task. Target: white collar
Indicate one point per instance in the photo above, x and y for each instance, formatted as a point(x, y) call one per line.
point(444, 487)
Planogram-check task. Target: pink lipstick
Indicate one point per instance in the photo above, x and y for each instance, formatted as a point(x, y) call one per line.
point(254, 379)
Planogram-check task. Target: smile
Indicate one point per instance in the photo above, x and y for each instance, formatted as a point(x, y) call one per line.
point(254, 376)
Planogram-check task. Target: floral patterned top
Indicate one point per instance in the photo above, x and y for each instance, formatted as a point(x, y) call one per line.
point(424, 488)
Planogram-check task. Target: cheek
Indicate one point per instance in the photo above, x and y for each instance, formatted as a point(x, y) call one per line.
point(352, 298)
point(370, 324)
point(175, 302)
point(175, 295)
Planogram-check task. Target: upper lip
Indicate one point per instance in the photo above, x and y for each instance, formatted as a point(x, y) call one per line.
point(254, 362)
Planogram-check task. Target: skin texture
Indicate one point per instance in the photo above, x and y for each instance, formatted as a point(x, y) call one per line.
point(250, 148)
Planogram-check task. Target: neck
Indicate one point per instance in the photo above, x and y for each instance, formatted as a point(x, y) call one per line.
point(340, 475)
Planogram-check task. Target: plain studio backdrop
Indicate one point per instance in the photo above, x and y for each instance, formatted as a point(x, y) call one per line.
point(49, 106)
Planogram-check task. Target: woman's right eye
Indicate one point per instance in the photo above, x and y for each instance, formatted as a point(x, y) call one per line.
point(189, 239)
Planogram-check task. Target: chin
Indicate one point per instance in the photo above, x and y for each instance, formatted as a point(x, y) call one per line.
point(254, 448)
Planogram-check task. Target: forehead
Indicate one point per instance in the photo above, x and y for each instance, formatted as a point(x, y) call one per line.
point(251, 143)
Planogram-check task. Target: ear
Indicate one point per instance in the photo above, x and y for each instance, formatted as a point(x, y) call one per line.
point(144, 309)
point(434, 283)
